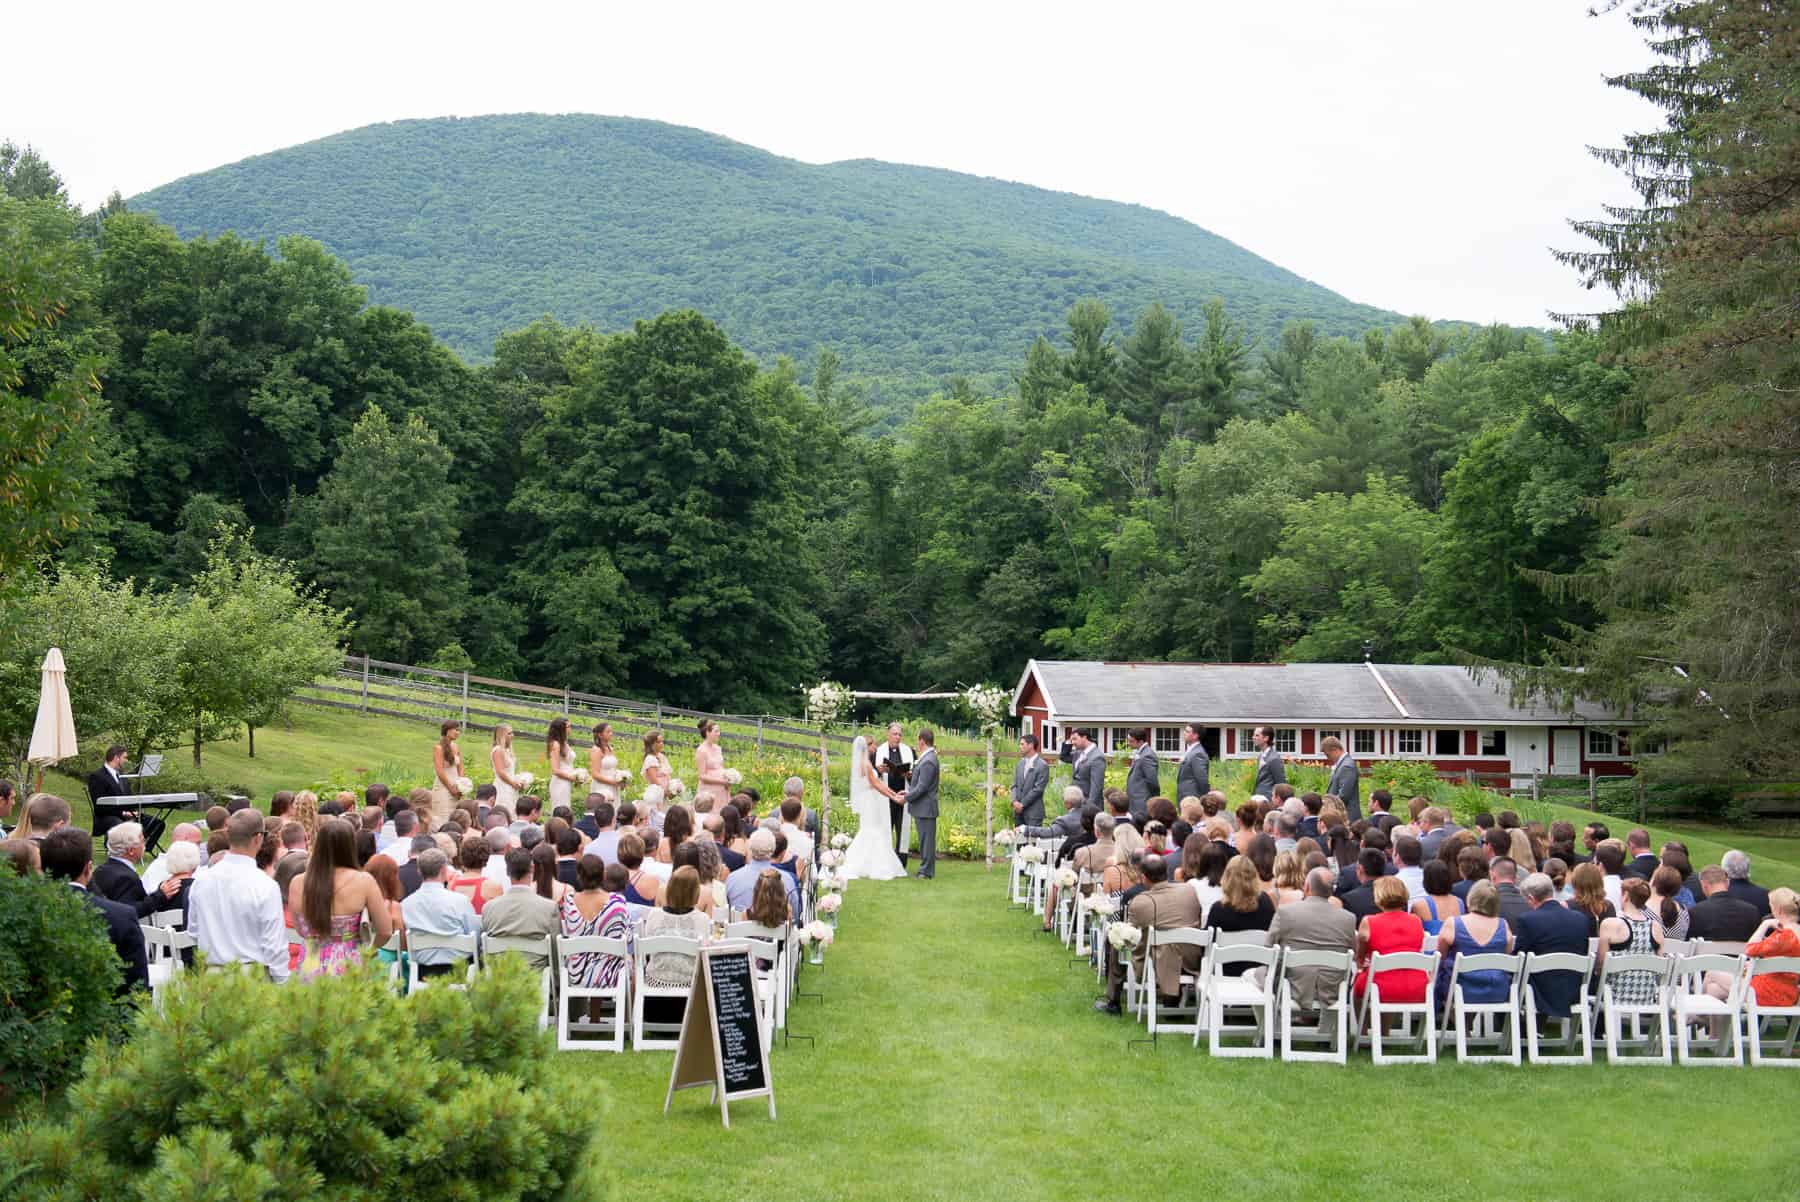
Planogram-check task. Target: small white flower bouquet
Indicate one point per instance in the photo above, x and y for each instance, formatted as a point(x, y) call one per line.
point(1032, 854)
point(676, 788)
point(1123, 936)
point(581, 776)
point(831, 882)
point(526, 780)
point(464, 785)
point(831, 903)
point(719, 896)
point(1006, 836)
point(1100, 903)
point(1066, 878)
point(832, 858)
point(840, 841)
point(733, 777)
point(821, 933)
point(624, 775)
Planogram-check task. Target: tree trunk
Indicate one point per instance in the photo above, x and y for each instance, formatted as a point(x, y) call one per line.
point(251, 727)
point(196, 744)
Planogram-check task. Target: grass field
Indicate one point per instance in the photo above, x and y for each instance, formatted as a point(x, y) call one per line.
point(957, 1058)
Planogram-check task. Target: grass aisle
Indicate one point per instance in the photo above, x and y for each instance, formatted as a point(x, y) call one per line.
point(957, 1059)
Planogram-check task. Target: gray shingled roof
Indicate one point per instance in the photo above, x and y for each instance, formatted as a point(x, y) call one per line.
point(1286, 692)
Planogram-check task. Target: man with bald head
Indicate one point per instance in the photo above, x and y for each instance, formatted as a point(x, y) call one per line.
point(1313, 924)
point(158, 871)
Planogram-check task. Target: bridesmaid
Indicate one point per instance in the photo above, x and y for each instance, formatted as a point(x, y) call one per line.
point(656, 764)
point(710, 782)
point(506, 766)
point(562, 762)
point(446, 771)
point(603, 764)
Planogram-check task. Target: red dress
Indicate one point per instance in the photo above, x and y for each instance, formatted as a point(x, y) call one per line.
point(1776, 988)
point(1395, 931)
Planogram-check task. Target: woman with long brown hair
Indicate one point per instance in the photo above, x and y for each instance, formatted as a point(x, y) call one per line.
point(543, 872)
point(656, 765)
point(328, 901)
point(387, 879)
point(710, 781)
point(562, 763)
point(1589, 884)
point(446, 770)
point(603, 764)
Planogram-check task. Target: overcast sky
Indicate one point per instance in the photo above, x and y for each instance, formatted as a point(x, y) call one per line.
point(1421, 155)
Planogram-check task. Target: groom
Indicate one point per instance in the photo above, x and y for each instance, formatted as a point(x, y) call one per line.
point(922, 802)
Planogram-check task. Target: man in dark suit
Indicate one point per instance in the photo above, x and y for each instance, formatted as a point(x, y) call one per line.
point(1270, 769)
point(1030, 777)
point(1503, 873)
point(68, 855)
point(1547, 928)
point(1371, 865)
point(1643, 861)
point(1342, 782)
point(108, 780)
point(1144, 781)
point(1066, 825)
point(410, 879)
point(1737, 869)
point(1194, 777)
point(1090, 769)
point(118, 880)
point(922, 802)
point(1719, 915)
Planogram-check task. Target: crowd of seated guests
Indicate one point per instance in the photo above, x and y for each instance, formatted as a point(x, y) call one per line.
point(1384, 885)
point(344, 875)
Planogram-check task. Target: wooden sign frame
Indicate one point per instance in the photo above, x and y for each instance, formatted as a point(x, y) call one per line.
point(700, 1036)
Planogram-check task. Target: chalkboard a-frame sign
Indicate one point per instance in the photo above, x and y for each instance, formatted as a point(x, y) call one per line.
point(721, 1033)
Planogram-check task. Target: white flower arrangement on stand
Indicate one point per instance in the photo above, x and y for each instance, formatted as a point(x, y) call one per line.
point(1031, 853)
point(1123, 936)
point(831, 858)
point(990, 704)
point(720, 898)
point(1066, 878)
point(1006, 836)
point(831, 882)
point(840, 841)
point(828, 701)
point(1100, 904)
point(831, 903)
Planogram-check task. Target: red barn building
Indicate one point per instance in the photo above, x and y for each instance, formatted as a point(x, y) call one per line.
point(1439, 713)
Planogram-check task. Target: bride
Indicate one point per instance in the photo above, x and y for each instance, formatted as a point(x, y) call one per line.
point(871, 856)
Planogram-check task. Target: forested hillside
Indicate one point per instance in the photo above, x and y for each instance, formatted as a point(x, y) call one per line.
point(478, 226)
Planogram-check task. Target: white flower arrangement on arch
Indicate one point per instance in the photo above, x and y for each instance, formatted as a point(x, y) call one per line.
point(990, 704)
point(828, 701)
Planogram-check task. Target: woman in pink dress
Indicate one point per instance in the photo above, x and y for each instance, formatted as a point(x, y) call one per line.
point(712, 790)
point(329, 899)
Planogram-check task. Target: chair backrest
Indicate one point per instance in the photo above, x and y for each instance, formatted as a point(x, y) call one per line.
point(1186, 936)
point(1678, 947)
point(1403, 962)
point(522, 945)
point(1659, 967)
point(170, 919)
point(1690, 973)
point(1760, 966)
point(1240, 939)
point(566, 946)
point(1226, 954)
point(1299, 958)
point(651, 945)
point(466, 946)
point(754, 930)
point(156, 943)
point(1513, 964)
point(1719, 947)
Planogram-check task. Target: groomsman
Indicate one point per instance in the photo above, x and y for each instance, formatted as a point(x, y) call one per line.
point(1344, 776)
point(1090, 768)
point(1029, 781)
point(1193, 778)
point(1143, 781)
point(1270, 771)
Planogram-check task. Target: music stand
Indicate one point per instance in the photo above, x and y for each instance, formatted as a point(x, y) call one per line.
point(150, 765)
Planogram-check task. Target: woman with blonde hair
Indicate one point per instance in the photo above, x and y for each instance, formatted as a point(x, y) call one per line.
point(507, 785)
point(1523, 854)
point(446, 770)
point(1588, 883)
point(1287, 884)
point(1242, 904)
point(305, 811)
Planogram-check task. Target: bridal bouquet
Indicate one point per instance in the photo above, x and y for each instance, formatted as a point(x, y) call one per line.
point(831, 903)
point(676, 788)
point(840, 841)
point(832, 858)
point(464, 785)
point(1066, 879)
point(525, 780)
point(1031, 853)
point(581, 776)
point(733, 777)
point(1123, 936)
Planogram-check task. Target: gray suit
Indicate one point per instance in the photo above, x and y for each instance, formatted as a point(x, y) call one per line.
point(520, 913)
point(1270, 771)
point(1194, 777)
point(1343, 784)
point(1029, 781)
point(1313, 924)
point(922, 804)
point(1142, 783)
point(1090, 776)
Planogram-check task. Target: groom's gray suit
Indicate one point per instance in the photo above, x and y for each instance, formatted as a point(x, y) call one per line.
point(922, 804)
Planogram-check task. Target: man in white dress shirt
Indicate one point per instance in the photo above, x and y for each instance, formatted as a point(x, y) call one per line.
point(234, 908)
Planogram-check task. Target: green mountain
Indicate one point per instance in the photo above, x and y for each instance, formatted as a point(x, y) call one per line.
point(911, 274)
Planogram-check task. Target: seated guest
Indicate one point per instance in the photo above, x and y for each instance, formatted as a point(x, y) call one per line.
point(1097, 855)
point(1249, 825)
point(1471, 866)
point(1675, 856)
point(387, 879)
point(1633, 931)
point(526, 812)
point(67, 855)
point(1309, 823)
point(1260, 851)
point(679, 915)
point(1737, 870)
point(1066, 824)
point(409, 871)
point(1719, 916)
point(1640, 861)
point(328, 902)
point(436, 910)
point(1314, 924)
point(474, 881)
point(1287, 880)
point(568, 856)
point(1242, 904)
point(640, 883)
point(117, 879)
point(1665, 885)
point(1481, 930)
point(1359, 902)
point(1126, 835)
point(688, 856)
point(1520, 848)
point(1409, 856)
point(405, 826)
point(1437, 826)
point(1202, 866)
point(1162, 905)
point(158, 871)
point(1609, 855)
point(740, 886)
point(1484, 822)
point(1588, 882)
point(544, 877)
point(597, 906)
point(520, 912)
point(1392, 928)
point(1558, 872)
point(769, 902)
point(182, 860)
point(235, 911)
point(1777, 935)
point(44, 813)
point(1381, 814)
point(1562, 841)
point(1549, 928)
point(734, 848)
point(1439, 905)
point(22, 855)
point(678, 828)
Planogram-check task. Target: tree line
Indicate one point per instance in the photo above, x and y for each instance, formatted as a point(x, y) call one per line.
point(650, 511)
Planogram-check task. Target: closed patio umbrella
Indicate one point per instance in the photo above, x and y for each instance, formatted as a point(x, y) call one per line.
point(53, 737)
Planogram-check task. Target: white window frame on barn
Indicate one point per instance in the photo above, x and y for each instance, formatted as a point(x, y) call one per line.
point(1358, 738)
point(1493, 741)
point(1319, 736)
point(1166, 739)
point(1402, 736)
point(1246, 744)
point(1438, 753)
point(1616, 747)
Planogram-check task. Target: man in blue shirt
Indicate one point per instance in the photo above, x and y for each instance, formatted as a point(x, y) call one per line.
point(435, 910)
point(740, 886)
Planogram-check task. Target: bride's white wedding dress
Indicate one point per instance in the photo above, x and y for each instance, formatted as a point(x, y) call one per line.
point(871, 854)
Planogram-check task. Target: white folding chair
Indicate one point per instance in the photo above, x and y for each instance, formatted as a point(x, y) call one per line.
point(1335, 1034)
point(162, 953)
point(1065, 909)
point(1758, 1016)
point(1018, 884)
point(1041, 874)
point(1578, 1025)
point(1691, 1004)
point(1224, 993)
point(668, 1035)
point(1182, 1016)
point(1086, 883)
point(397, 945)
point(1648, 1043)
point(169, 919)
point(782, 972)
point(493, 946)
point(1495, 1024)
point(767, 983)
point(1374, 1010)
point(591, 999)
point(467, 947)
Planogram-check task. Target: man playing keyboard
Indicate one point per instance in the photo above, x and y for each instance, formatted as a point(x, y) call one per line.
point(108, 780)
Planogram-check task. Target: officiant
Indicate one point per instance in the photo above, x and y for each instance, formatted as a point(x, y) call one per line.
point(894, 760)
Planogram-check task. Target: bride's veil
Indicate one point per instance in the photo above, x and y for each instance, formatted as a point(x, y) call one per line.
point(859, 784)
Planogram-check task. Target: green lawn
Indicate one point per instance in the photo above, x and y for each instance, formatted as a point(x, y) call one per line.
point(957, 1058)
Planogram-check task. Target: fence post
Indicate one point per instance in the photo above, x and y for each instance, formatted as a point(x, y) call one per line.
point(1535, 795)
point(465, 699)
point(1593, 789)
point(1469, 777)
point(365, 683)
point(759, 735)
point(565, 701)
point(659, 721)
point(1640, 793)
